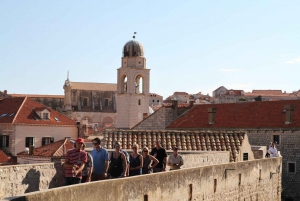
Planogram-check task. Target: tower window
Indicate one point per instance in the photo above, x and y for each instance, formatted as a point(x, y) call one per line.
point(85, 102)
point(106, 102)
point(139, 102)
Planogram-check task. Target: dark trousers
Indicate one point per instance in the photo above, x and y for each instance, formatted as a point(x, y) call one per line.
point(97, 177)
point(72, 180)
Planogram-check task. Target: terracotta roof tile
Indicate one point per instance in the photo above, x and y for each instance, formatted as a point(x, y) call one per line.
point(37, 96)
point(180, 93)
point(22, 110)
point(55, 149)
point(264, 114)
point(3, 157)
point(184, 140)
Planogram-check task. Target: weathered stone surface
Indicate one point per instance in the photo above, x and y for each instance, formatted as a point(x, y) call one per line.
point(250, 180)
point(19, 179)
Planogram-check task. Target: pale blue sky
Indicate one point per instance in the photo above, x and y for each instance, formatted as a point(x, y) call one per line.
point(190, 46)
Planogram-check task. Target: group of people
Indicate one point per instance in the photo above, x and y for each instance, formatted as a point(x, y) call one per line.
point(99, 165)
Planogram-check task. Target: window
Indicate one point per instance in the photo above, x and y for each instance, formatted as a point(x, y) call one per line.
point(106, 102)
point(47, 140)
point(276, 138)
point(45, 116)
point(56, 119)
point(139, 102)
point(291, 167)
point(85, 102)
point(3, 115)
point(153, 101)
point(30, 141)
point(4, 141)
point(158, 101)
point(245, 156)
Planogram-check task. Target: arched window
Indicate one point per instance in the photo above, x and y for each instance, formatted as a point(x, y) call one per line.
point(139, 89)
point(124, 84)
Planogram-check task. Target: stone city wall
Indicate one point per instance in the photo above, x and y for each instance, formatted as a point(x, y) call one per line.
point(248, 180)
point(288, 146)
point(20, 179)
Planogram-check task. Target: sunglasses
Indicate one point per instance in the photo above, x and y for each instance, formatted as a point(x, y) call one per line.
point(95, 143)
point(145, 151)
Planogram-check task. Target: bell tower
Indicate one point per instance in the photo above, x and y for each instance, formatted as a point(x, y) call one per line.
point(132, 86)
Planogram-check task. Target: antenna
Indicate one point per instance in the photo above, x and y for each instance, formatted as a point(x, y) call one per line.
point(68, 75)
point(134, 35)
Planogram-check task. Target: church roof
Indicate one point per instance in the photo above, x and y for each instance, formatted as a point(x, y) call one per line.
point(92, 86)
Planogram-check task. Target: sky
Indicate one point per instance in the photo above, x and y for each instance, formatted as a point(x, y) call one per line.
point(191, 46)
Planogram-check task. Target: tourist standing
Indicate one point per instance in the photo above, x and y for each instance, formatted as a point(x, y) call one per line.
point(273, 151)
point(101, 161)
point(161, 155)
point(147, 161)
point(88, 168)
point(74, 163)
point(175, 160)
point(118, 163)
point(136, 162)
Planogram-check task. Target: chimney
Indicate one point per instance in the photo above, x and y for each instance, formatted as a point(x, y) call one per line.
point(211, 115)
point(31, 148)
point(175, 108)
point(289, 111)
point(191, 104)
point(5, 93)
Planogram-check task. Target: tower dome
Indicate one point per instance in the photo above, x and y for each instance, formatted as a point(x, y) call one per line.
point(133, 48)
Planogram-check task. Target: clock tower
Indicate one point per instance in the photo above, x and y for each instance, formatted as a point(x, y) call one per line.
point(132, 86)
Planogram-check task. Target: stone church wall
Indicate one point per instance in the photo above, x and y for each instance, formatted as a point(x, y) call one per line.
point(250, 180)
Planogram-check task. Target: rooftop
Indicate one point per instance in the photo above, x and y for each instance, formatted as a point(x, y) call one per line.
point(262, 114)
point(23, 110)
point(55, 149)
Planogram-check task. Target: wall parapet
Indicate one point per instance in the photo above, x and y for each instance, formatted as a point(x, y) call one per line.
point(250, 180)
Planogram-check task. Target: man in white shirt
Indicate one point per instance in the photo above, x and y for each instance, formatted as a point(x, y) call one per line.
point(175, 160)
point(273, 151)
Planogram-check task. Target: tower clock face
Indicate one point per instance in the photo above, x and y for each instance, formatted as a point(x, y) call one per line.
point(130, 62)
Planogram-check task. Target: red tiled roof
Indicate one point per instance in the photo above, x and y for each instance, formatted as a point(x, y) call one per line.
point(234, 92)
point(55, 149)
point(37, 96)
point(22, 110)
point(3, 157)
point(269, 92)
point(264, 114)
point(154, 95)
point(180, 93)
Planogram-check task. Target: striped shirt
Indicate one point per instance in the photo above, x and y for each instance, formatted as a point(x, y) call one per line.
point(77, 158)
